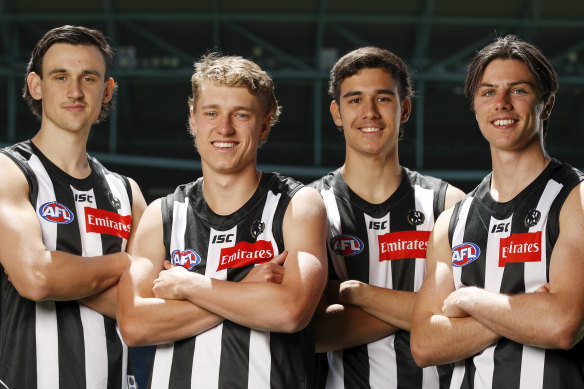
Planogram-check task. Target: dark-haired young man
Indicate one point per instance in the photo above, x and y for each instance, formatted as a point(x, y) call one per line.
point(504, 290)
point(380, 215)
point(66, 224)
point(231, 312)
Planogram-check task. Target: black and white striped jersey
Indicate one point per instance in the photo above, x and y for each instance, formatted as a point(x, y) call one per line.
point(382, 245)
point(506, 248)
point(231, 356)
point(62, 344)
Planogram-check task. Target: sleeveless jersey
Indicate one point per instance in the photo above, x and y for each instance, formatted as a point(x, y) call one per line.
point(63, 344)
point(382, 245)
point(231, 356)
point(506, 248)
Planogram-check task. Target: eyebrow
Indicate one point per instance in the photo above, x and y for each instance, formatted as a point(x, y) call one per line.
point(92, 72)
point(518, 82)
point(378, 91)
point(236, 108)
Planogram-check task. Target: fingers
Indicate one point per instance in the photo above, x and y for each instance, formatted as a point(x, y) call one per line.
point(280, 259)
point(167, 265)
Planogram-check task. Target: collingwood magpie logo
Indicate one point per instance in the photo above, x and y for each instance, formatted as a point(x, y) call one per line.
point(532, 218)
point(257, 227)
point(416, 218)
point(114, 201)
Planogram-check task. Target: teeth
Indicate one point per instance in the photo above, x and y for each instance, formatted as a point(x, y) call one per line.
point(223, 144)
point(370, 129)
point(504, 122)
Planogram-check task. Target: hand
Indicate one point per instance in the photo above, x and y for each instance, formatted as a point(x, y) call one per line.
point(351, 291)
point(546, 288)
point(167, 285)
point(271, 271)
point(452, 306)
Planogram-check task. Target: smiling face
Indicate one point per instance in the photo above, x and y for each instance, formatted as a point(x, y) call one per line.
point(227, 123)
point(370, 112)
point(72, 88)
point(508, 105)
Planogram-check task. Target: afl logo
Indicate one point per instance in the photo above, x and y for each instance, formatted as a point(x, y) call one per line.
point(465, 253)
point(346, 245)
point(187, 259)
point(55, 212)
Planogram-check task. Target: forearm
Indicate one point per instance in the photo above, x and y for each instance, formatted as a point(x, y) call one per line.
point(105, 302)
point(150, 321)
point(537, 319)
point(437, 339)
point(394, 307)
point(344, 326)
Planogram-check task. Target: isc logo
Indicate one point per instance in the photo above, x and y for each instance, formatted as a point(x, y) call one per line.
point(373, 225)
point(465, 253)
point(346, 245)
point(55, 212)
point(501, 227)
point(223, 238)
point(83, 197)
point(187, 259)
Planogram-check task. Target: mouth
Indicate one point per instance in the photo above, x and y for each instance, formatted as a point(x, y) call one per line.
point(370, 129)
point(224, 145)
point(503, 122)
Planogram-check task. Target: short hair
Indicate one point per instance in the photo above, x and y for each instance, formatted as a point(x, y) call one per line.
point(235, 71)
point(73, 35)
point(511, 47)
point(371, 57)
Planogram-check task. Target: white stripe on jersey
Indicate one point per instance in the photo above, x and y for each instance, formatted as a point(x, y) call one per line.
point(535, 275)
point(260, 355)
point(458, 236)
point(96, 361)
point(336, 373)
point(163, 356)
point(457, 375)
point(425, 204)
point(334, 229)
point(485, 366)
point(118, 188)
point(47, 335)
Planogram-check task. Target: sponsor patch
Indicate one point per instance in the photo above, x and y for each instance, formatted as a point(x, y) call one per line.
point(416, 218)
point(465, 253)
point(245, 253)
point(403, 244)
point(106, 222)
point(114, 201)
point(55, 212)
point(532, 218)
point(257, 227)
point(346, 245)
point(187, 258)
point(524, 247)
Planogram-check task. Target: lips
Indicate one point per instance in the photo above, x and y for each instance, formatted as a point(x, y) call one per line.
point(222, 145)
point(503, 122)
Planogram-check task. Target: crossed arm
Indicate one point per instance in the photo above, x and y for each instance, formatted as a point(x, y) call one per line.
point(354, 313)
point(450, 325)
point(159, 306)
point(41, 274)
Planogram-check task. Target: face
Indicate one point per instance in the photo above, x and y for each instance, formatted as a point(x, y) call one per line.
point(508, 105)
point(370, 112)
point(227, 123)
point(72, 87)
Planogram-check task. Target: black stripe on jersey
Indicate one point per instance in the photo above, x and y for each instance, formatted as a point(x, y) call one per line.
point(284, 348)
point(110, 243)
point(507, 358)
point(356, 367)
point(182, 364)
point(402, 270)
point(473, 274)
point(115, 353)
point(234, 365)
point(469, 374)
point(69, 329)
point(407, 377)
point(357, 265)
point(513, 274)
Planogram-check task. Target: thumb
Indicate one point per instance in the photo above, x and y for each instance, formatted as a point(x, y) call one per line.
point(167, 265)
point(281, 258)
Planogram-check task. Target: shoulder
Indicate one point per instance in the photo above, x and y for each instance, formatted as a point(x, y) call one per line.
point(13, 175)
point(453, 196)
point(306, 199)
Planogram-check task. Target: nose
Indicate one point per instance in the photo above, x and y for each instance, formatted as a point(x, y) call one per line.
point(75, 91)
point(226, 125)
point(370, 109)
point(503, 102)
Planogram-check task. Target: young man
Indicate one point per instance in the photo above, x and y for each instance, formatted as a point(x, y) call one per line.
point(380, 215)
point(505, 267)
point(195, 286)
point(66, 224)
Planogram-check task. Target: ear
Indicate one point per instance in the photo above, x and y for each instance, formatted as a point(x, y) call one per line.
point(110, 86)
point(265, 126)
point(33, 82)
point(336, 113)
point(192, 123)
point(406, 109)
point(547, 109)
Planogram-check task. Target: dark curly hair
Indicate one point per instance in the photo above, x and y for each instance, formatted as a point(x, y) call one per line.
point(74, 35)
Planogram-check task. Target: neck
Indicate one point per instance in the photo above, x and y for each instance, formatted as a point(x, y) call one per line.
point(513, 171)
point(374, 178)
point(226, 193)
point(66, 150)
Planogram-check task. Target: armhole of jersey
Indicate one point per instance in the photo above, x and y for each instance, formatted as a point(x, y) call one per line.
point(128, 189)
point(278, 229)
point(166, 224)
point(453, 221)
point(558, 204)
point(28, 174)
point(440, 199)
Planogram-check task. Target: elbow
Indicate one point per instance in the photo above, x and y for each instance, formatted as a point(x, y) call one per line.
point(421, 354)
point(132, 332)
point(35, 287)
point(566, 335)
point(292, 319)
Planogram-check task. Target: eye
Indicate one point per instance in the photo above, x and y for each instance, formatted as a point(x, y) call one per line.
point(241, 115)
point(384, 99)
point(355, 100)
point(488, 93)
point(210, 113)
point(88, 79)
point(519, 91)
point(60, 77)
